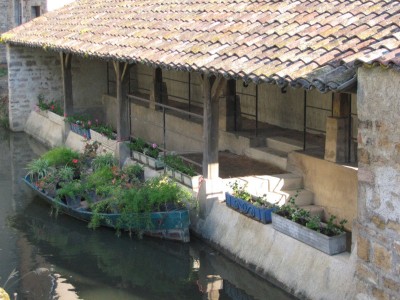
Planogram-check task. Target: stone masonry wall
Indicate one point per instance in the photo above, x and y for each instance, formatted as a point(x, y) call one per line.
point(32, 72)
point(378, 242)
point(8, 19)
point(4, 26)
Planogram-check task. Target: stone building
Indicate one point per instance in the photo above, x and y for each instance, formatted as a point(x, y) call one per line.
point(15, 12)
point(310, 88)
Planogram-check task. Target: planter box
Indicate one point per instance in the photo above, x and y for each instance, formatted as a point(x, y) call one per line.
point(79, 130)
point(147, 160)
point(55, 118)
point(43, 113)
point(189, 181)
point(260, 214)
point(329, 245)
point(103, 140)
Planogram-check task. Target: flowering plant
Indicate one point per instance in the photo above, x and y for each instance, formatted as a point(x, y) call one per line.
point(83, 121)
point(105, 130)
point(152, 150)
point(53, 106)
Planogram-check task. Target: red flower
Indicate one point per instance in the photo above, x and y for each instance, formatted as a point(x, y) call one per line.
point(75, 161)
point(52, 107)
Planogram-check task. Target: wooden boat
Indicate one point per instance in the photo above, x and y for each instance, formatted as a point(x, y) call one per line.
point(171, 225)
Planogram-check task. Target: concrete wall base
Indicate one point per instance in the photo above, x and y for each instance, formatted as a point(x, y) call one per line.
point(44, 130)
point(300, 269)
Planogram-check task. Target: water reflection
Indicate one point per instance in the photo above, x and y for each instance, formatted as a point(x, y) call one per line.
point(60, 258)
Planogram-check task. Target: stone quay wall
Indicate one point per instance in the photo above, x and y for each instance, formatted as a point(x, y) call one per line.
point(378, 266)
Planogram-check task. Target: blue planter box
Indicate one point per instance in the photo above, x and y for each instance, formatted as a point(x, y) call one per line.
point(79, 130)
point(261, 214)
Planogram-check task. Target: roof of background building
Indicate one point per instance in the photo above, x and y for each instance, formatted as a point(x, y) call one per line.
point(304, 43)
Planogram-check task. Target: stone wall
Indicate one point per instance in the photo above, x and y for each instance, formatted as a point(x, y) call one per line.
point(378, 267)
point(32, 72)
point(4, 26)
point(8, 17)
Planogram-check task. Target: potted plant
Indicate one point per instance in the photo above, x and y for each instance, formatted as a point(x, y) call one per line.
point(257, 208)
point(297, 223)
point(134, 172)
point(184, 173)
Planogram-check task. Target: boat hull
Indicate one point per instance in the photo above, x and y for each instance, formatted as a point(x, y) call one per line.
point(171, 225)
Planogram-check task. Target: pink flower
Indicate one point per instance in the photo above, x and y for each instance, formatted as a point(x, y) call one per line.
point(65, 115)
point(84, 135)
point(52, 107)
point(75, 161)
point(154, 145)
point(89, 123)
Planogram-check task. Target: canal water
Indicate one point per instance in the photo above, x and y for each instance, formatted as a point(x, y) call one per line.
point(48, 257)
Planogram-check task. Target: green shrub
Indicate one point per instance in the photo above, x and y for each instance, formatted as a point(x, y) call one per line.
point(61, 156)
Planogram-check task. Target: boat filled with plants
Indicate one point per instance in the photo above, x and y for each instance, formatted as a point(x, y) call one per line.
point(91, 187)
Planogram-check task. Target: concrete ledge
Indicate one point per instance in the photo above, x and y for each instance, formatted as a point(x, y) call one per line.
point(300, 269)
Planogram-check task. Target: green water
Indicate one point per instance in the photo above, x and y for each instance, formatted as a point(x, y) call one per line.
point(60, 258)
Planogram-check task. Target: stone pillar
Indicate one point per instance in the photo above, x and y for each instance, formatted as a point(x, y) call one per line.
point(210, 131)
point(378, 222)
point(337, 130)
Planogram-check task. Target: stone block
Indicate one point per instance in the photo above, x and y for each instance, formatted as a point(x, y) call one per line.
point(363, 248)
point(382, 257)
point(366, 274)
point(380, 294)
point(396, 246)
point(392, 285)
point(381, 224)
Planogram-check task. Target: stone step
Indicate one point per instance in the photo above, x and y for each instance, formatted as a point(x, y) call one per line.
point(272, 156)
point(260, 184)
point(303, 197)
point(314, 210)
point(285, 181)
point(284, 144)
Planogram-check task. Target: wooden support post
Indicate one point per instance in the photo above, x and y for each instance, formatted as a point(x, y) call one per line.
point(341, 105)
point(212, 90)
point(67, 83)
point(337, 129)
point(156, 88)
point(230, 105)
point(122, 86)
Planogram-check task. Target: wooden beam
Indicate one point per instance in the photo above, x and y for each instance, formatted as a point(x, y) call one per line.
point(156, 88)
point(122, 86)
point(67, 83)
point(211, 93)
point(341, 105)
point(230, 104)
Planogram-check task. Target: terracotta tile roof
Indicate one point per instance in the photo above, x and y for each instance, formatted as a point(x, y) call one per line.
point(305, 43)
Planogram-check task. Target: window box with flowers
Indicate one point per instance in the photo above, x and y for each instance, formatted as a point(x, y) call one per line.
point(148, 154)
point(51, 110)
point(257, 208)
point(181, 171)
point(80, 125)
point(103, 134)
